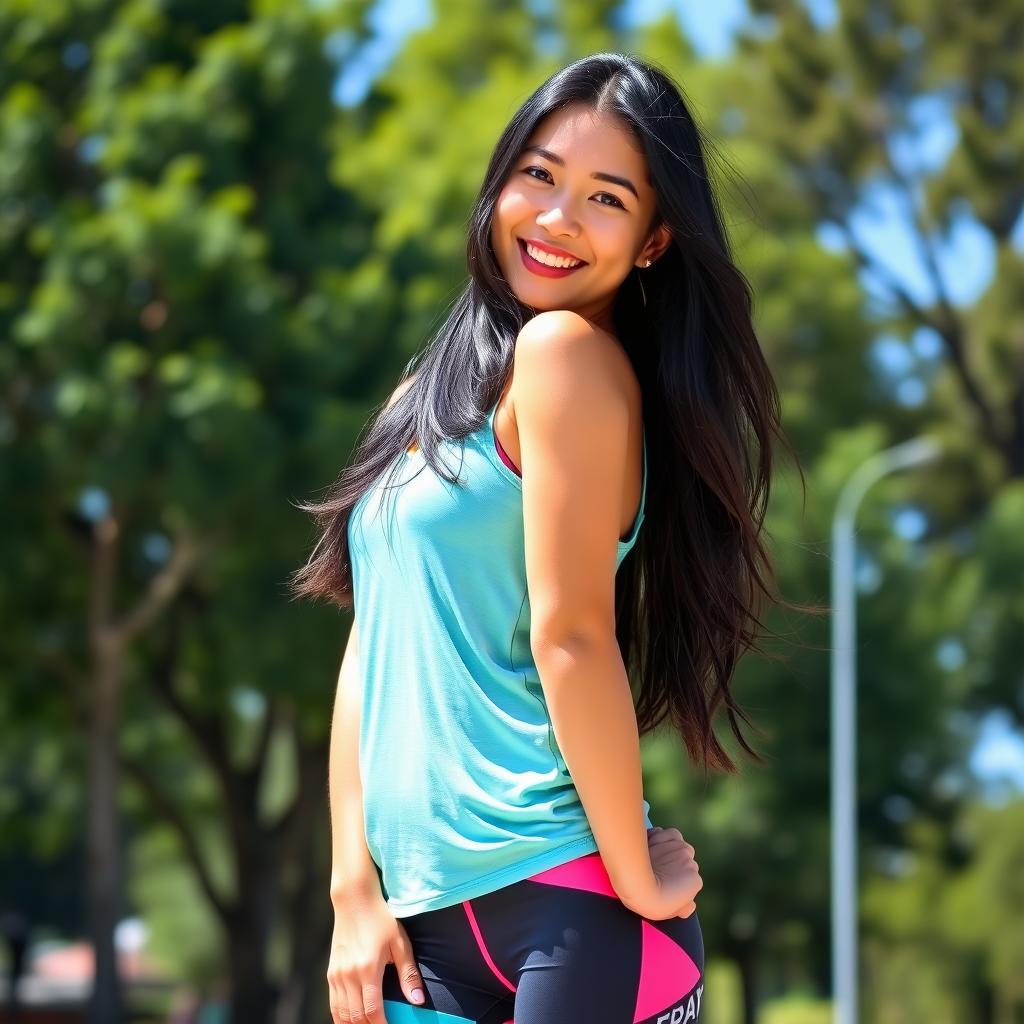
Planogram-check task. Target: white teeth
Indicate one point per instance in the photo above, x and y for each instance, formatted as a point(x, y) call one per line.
point(551, 261)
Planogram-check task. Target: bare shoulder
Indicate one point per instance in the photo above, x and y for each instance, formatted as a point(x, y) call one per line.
point(561, 344)
point(563, 330)
point(399, 391)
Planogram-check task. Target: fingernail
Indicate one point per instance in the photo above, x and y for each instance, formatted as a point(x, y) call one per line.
point(417, 995)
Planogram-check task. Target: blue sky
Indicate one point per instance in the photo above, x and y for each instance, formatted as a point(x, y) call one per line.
point(709, 26)
point(966, 258)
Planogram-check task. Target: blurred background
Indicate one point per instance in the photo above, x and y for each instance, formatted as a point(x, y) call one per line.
point(226, 225)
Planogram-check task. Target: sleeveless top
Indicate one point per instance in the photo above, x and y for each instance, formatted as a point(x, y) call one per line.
point(465, 790)
point(503, 455)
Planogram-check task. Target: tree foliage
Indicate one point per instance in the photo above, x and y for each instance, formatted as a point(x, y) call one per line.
point(210, 271)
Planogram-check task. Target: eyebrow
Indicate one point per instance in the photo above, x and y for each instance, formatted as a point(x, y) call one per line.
point(601, 175)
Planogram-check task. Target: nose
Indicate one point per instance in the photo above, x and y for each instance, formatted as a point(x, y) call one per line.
point(557, 222)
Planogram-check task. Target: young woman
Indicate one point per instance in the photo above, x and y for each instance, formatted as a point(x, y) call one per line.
point(559, 489)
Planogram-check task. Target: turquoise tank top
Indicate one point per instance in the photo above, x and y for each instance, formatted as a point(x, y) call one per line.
point(464, 788)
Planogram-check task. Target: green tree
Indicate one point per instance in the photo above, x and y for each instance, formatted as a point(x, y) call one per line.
point(174, 286)
point(824, 116)
point(208, 273)
point(946, 918)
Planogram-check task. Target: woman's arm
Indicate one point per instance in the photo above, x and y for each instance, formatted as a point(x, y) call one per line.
point(366, 934)
point(353, 872)
point(352, 869)
point(572, 400)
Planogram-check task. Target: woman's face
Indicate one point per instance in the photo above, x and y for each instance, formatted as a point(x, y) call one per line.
point(561, 200)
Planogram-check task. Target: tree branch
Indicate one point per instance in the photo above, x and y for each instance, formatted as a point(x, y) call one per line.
point(1016, 443)
point(162, 589)
point(950, 326)
point(289, 829)
point(903, 297)
point(172, 814)
point(105, 533)
point(205, 729)
point(270, 720)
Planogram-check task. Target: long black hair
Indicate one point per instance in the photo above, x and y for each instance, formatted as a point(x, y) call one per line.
point(689, 594)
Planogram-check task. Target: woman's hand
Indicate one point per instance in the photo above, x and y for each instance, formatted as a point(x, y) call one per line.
point(676, 875)
point(366, 937)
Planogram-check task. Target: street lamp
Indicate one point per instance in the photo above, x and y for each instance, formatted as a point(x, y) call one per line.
point(844, 753)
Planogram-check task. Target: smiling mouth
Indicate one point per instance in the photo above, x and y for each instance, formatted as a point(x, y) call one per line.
point(544, 269)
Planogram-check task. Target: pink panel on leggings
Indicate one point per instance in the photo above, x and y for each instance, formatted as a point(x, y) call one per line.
point(478, 935)
point(666, 973)
point(587, 873)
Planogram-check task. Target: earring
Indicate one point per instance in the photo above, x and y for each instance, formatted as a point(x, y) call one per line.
point(643, 294)
point(648, 263)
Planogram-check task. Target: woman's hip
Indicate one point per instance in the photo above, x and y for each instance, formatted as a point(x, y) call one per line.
point(560, 946)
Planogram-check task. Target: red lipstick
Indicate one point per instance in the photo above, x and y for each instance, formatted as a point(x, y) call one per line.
point(542, 269)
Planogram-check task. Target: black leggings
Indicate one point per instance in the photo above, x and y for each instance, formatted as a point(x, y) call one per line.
point(556, 948)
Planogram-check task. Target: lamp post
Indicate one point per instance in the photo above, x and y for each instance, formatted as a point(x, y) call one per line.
point(844, 751)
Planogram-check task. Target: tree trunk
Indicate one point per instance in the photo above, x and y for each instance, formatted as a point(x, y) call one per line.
point(253, 996)
point(252, 920)
point(309, 915)
point(746, 960)
point(104, 876)
point(109, 639)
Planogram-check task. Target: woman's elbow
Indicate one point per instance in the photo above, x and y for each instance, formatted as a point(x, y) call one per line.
point(560, 634)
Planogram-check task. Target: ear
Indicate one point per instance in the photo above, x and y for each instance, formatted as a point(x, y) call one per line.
point(660, 240)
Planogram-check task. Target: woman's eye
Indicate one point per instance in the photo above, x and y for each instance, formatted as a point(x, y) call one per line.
point(615, 200)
